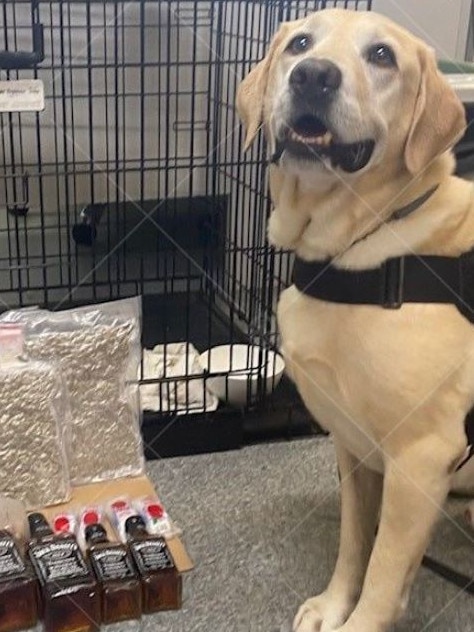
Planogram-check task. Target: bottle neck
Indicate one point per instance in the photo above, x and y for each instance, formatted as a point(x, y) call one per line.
point(95, 534)
point(98, 539)
point(136, 531)
point(135, 528)
point(41, 532)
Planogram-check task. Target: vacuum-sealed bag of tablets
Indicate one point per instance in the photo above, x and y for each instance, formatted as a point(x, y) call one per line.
point(98, 349)
point(35, 422)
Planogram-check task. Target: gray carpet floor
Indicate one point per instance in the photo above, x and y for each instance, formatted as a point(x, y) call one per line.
point(262, 526)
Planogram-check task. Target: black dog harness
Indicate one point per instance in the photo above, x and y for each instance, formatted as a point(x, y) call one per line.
point(408, 279)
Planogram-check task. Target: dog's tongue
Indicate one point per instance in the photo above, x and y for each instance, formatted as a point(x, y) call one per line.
point(352, 157)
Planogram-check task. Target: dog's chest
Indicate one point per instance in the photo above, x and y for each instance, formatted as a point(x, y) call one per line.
point(324, 356)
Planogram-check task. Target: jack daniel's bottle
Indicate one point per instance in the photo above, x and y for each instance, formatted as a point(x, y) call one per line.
point(118, 580)
point(161, 581)
point(18, 588)
point(70, 599)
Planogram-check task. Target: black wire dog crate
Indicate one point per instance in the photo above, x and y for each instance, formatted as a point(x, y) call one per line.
point(132, 181)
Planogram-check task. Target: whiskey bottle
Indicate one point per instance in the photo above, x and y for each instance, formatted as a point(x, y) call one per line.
point(160, 579)
point(119, 584)
point(69, 594)
point(18, 588)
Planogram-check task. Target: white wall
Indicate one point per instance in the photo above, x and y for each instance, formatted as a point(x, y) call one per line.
point(442, 23)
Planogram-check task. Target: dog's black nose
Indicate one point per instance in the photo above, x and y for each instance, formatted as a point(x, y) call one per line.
point(317, 78)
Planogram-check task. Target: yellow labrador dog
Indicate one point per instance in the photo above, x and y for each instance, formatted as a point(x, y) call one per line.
point(361, 124)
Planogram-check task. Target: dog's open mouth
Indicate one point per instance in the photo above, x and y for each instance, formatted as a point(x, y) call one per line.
point(308, 138)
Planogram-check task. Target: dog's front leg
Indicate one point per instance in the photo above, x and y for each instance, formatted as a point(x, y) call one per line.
point(360, 501)
point(285, 227)
point(288, 220)
point(416, 484)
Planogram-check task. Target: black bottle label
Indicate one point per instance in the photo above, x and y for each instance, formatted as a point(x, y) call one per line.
point(11, 564)
point(58, 560)
point(112, 563)
point(151, 555)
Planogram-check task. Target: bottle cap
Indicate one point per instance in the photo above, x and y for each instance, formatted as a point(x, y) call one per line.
point(155, 510)
point(119, 504)
point(90, 518)
point(133, 522)
point(62, 523)
point(94, 531)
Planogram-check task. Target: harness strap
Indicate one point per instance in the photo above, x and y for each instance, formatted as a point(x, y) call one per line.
point(409, 279)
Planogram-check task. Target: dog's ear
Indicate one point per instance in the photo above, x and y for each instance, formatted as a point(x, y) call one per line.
point(251, 92)
point(438, 118)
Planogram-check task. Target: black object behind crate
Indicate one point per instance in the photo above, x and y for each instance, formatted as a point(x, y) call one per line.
point(132, 181)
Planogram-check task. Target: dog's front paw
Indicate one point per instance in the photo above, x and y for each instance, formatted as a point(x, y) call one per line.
point(308, 617)
point(319, 614)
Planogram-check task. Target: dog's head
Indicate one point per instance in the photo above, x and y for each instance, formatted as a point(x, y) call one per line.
point(344, 90)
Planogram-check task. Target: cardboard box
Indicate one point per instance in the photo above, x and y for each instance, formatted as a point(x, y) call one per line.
point(102, 493)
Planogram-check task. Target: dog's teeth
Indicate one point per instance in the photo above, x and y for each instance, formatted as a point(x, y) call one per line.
point(327, 138)
point(321, 140)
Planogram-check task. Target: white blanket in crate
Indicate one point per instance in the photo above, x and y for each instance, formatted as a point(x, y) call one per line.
point(174, 396)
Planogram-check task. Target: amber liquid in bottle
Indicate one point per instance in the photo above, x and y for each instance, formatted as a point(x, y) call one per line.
point(18, 588)
point(119, 584)
point(69, 594)
point(161, 581)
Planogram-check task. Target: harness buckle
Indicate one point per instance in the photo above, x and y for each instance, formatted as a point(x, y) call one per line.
point(393, 272)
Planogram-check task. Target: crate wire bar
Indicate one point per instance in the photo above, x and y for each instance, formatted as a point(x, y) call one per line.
point(132, 180)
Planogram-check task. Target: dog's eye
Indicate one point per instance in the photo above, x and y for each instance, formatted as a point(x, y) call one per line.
point(299, 44)
point(381, 55)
